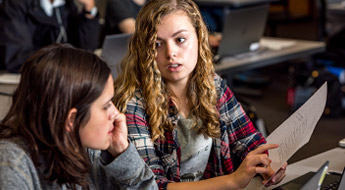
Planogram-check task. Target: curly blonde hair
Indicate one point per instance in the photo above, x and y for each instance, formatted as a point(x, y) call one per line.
point(140, 70)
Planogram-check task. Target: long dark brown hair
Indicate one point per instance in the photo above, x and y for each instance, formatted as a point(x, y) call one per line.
point(54, 80)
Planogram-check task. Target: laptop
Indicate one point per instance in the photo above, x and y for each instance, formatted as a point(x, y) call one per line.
point(113, 51)
point(335, 181)
point(316, 180)
point(242, 29)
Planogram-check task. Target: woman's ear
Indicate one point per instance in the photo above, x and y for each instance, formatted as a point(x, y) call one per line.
point(71, 119)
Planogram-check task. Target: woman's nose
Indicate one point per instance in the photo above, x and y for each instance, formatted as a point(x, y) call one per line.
point(171, 51)
point(112, 111)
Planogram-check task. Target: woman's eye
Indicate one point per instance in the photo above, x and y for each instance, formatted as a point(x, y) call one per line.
point(158, 44)
point(107, 106)
point(180, 40)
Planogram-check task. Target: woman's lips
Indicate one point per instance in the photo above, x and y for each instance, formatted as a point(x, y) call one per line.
point(174, 67)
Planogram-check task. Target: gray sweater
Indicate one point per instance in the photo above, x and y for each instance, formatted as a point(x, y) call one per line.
point(127, 171)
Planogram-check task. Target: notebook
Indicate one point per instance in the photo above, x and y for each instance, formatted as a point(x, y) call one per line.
point(242, 29)
point(113, 51)
point(316, 180)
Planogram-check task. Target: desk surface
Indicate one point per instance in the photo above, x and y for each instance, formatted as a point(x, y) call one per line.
point(336, 158)
point(252, 60)
point(6, 91)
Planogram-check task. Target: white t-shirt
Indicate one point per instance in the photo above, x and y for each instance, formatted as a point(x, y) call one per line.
point(195, 150)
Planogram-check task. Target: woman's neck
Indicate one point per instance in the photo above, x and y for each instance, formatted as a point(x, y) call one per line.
point(178, 94)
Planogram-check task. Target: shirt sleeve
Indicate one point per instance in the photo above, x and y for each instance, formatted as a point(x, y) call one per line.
point(242, 135)
point(127, 171)
point(17, 171)
point(139, 134)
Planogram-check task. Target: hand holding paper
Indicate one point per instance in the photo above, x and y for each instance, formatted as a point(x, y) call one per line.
point(296, 131)
point(275, 177)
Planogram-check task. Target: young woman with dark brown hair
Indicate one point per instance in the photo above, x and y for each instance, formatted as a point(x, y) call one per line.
point(61, 111)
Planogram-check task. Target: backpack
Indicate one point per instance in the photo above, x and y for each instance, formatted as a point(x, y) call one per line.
point(304, 82)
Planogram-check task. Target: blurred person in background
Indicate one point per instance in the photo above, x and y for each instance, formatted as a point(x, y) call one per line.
point(28, 25)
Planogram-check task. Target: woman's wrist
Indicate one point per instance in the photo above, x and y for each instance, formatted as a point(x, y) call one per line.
point(236, 181)
point(118, 148)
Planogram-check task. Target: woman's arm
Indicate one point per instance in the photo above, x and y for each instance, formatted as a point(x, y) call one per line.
point(139, 135)
point(254, 163)
point(126, 171)
point(162, 158)
point(120, 165)
point(120, 14)
point(243, 137)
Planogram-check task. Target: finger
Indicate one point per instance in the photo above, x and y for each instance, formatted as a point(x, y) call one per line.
point(119, 116)
point(120, 121)
point(284, 166)
point(268, 174)
point(261, 160)
point(261, 170)
point(280, 173)
point(263, 148)
point(271, 182)
point(276, 178)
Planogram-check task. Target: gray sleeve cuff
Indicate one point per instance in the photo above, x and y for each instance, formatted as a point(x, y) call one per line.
point(130, 170)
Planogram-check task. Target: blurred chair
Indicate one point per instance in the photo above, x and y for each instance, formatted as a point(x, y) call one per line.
point(294, 11)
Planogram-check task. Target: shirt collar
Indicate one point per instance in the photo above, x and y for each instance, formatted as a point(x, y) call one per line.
point(48, 7)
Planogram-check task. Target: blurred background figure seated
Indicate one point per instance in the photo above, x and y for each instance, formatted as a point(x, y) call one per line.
point(26, 26)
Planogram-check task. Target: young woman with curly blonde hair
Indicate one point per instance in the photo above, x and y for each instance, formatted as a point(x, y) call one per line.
point(184, 121)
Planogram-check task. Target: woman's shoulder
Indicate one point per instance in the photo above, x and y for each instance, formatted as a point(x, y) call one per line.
point(16, 162)
point(137, 99)
point(15, 154)
point(136, 105)
point(220, 84)
point(12, 149)
point(217, 79)
point(12, 145)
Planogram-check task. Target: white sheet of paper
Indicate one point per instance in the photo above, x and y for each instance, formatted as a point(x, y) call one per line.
point(276, 44)
point(296, 131)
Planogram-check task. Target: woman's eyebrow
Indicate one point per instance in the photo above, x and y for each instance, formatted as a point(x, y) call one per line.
point(110, 100)
point(174, 34)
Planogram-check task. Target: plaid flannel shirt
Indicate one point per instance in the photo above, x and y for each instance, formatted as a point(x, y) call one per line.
point(238, 137)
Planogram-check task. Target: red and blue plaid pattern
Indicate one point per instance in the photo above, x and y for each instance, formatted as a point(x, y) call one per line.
point(238, 137)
